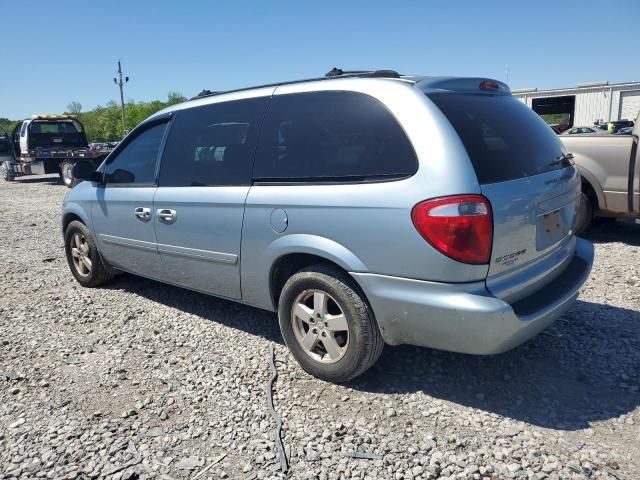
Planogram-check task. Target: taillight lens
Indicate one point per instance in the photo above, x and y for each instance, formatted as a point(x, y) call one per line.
point(459, 226)
point(489, 85)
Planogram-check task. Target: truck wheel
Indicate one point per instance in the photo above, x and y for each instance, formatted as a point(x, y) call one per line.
point(584, 214)
point(66, 174)
point(328, 325)
point(7, 172)
point(83, 257)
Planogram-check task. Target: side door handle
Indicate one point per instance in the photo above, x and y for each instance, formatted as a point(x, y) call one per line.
point(143, 213)
point(167, 215)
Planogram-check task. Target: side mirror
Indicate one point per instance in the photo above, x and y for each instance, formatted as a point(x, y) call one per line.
point(84, 170)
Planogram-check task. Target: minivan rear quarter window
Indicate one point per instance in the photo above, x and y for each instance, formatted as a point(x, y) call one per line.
point(332, 136)
point(504, 139)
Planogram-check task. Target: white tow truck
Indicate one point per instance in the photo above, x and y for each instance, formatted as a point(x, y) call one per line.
point(46, 144)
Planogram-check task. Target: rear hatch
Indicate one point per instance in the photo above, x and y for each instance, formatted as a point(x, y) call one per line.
point(533, 188)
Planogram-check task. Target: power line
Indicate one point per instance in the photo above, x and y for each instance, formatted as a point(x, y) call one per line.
point(118, 81)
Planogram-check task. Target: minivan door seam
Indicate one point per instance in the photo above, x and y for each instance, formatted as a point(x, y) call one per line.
point(253, 166)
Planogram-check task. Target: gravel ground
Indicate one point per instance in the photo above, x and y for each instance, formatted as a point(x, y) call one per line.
point(143, 380)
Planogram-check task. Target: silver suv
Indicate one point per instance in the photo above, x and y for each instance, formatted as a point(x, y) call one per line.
point(365, 208)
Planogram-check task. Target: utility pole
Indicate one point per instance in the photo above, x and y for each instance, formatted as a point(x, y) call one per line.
point(118, 81)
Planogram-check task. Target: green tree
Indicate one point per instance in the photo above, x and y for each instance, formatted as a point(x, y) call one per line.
point(111, 122)
point(8, 125)
point(175, 97)
point(104, 123)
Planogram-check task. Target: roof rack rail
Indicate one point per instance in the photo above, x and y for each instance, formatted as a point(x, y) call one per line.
point(333, 73)
point(338, 72)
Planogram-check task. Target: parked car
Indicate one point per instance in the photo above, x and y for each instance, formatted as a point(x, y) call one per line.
point(365, 208)
point(46, 144)
point(609, 167)
point(585, 131)
point(614, 126)
point(624, 131)
point(559, 127)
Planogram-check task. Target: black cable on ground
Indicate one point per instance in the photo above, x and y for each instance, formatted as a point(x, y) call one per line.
point(284, 464)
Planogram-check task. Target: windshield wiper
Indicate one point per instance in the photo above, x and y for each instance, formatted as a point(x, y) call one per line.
point(568, 158)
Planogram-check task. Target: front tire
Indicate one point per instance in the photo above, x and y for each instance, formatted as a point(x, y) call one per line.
point(327, 324)
point(83, 257)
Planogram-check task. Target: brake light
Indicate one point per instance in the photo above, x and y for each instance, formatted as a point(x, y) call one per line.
point(489, 85)
point(459, 226)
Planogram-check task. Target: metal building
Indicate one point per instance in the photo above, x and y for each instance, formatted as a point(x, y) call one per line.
point(585, 104)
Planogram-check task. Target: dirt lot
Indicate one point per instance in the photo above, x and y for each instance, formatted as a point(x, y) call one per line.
point(143, 380)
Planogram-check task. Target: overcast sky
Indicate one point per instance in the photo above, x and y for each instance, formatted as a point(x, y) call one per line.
point(58, 52)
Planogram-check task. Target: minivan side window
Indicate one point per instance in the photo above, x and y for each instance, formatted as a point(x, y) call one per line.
point(136, 162)
point(332, 136)
point(212, 145)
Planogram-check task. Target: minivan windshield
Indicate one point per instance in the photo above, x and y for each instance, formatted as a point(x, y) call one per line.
point(504, 139)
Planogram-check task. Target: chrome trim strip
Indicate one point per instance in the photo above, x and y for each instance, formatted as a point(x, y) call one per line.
point(217, 257)
point(128, 242)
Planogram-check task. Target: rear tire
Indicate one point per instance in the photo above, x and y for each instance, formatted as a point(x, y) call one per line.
point(66, 174)
point(83, 257)
point(338, 339)
point(584, 214)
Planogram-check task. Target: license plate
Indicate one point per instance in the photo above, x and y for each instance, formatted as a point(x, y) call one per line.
point(551, 229)
point(57, 140)
point(552, 222)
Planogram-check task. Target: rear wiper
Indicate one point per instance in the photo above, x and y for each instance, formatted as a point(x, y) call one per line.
point(568, 158)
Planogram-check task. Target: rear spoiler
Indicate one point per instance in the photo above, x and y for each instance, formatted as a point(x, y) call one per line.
point(463, 85)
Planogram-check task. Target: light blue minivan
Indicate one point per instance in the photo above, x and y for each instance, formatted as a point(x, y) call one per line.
point(364, 207)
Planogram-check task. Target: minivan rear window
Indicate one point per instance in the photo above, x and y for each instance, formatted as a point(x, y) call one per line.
point(504, 139)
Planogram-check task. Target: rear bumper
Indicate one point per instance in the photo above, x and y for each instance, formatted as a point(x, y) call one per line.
point(465, 317)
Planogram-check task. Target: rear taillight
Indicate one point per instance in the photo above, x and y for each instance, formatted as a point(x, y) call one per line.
point(460, 226)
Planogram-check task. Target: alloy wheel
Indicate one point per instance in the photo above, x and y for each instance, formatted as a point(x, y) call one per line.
point(320, 326)
point(80, 253)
